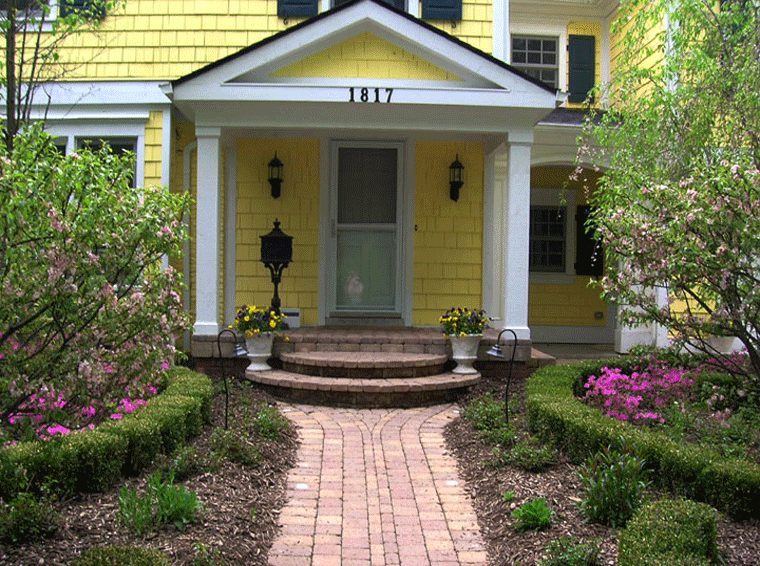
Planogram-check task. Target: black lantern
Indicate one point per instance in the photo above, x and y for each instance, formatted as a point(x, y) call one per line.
point(456, 178)
point(275, 176)
point(276, 254)
point(497, 353)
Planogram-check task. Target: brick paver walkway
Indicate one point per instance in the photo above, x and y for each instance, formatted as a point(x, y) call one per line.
point(375, 487)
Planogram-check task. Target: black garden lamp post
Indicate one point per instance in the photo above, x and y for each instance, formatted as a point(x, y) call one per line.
point(276, 254)
point(497, 353)
point(239, 352)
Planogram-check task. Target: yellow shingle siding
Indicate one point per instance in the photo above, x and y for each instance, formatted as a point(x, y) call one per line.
point(298, 211)
point(476, 27)
point(572, 304)
point(153, 149)
point(365, 55)
point(166, 39)
point(448, 241)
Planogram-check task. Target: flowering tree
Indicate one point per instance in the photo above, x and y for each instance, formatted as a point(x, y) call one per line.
point(86, 309)
point(679, 205)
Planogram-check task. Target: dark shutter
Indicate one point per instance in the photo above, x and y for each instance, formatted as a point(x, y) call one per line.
point(589, 256)
point(66, 7)
point(296, 8)
point(442, 10)
point(582, 66)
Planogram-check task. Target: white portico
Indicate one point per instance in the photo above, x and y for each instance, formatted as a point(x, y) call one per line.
point(452, 92)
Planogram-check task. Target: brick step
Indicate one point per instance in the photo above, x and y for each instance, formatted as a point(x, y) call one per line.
point(363, 365)
point(332, 339)
point(356, 392)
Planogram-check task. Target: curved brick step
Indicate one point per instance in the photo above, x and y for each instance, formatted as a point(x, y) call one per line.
point(363, 365)
point(377, 392)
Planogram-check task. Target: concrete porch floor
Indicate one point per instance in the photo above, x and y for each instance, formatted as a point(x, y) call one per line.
point(568, 353)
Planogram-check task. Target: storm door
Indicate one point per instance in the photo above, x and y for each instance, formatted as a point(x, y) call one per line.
point(365, 226)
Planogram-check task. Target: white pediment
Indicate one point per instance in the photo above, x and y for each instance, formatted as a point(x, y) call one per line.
point(363, 51)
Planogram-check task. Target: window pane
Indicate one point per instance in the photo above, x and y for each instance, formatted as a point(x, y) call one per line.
point(536, 56)
point(547, 238)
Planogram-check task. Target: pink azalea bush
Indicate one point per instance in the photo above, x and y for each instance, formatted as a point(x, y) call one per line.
point(639, 397)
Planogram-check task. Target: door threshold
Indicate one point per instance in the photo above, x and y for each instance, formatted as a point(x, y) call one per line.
point(364, 319)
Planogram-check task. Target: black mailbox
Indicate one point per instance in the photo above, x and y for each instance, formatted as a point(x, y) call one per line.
point(276, 254)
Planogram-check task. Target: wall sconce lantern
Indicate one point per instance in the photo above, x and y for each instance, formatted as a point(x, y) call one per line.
point(275, 176)
point(456, 178)
point(276, 254)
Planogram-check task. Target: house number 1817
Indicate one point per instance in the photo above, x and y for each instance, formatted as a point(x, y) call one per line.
point(356, 94)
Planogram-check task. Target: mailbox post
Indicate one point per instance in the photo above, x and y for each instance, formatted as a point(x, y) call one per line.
point(276, 254)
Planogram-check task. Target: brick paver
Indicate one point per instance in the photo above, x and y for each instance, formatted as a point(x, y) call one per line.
point(375, 487)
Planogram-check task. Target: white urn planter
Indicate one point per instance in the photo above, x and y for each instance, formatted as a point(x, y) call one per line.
point(464, 351)
point(259, 350)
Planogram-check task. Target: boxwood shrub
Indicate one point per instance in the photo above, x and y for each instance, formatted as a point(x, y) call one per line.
point(92, 460)
point(556, 416)
point(144, 441)
point(670, 531)
point(121, 556)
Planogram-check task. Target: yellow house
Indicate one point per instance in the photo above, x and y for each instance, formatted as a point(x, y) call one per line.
point(368, 106)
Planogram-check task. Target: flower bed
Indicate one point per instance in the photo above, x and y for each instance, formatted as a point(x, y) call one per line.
point(93, 459)
point(557, 416)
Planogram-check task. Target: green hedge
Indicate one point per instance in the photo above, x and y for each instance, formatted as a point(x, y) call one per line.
point(93, 460)
point(670, 532)
point(557, 417)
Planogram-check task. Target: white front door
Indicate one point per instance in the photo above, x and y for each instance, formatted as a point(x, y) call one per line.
point(365, 225)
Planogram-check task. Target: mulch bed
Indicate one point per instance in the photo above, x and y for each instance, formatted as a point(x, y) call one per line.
point(738, 542)
point(230, 494)
point(240, 504)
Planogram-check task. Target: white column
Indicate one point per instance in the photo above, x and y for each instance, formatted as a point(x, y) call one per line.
point(501, 40)
point(626, 337)
point(207, 262)
point(516, 222)
point(495, 177)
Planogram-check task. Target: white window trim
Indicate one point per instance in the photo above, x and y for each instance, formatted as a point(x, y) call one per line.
point(47, 25)
point(566, 198)
point(560, 32)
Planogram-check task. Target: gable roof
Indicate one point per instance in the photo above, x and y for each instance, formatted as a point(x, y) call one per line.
point(315, 21)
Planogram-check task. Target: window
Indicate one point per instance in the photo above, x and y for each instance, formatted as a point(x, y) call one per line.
point(118, 146)
point(400, 4)
point(32, 9)
point(548, 237)
point(449, 10)
point(536, 56)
